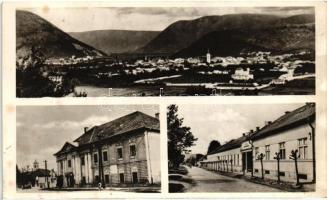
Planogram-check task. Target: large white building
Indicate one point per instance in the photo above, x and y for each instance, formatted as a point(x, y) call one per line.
point(242, 75)
point(294, 131)
point(122, 151)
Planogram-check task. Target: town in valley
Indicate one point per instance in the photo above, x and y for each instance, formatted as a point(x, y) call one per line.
point(263, 54)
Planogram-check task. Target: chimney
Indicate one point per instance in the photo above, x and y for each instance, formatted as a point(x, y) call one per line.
point(243, 134)
point(257, 128)
point(157, 115)
point(287, 112)
point(86, 129)
point(268, 123)
point(251, 131)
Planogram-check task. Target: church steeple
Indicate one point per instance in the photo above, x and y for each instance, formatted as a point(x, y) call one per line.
point(35, 165)
point(208, 56)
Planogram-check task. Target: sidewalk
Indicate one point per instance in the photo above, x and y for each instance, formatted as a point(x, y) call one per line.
point(144, 189)
point(288, 187)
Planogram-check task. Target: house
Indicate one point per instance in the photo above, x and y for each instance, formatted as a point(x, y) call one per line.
point(241, 74)
point(228, 157)
point(120, 152)
point(295, 130)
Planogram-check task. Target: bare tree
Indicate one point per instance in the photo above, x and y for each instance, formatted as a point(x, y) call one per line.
point(260, 157)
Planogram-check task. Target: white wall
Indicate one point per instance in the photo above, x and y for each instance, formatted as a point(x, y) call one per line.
point(153, 140)
point(290, 137)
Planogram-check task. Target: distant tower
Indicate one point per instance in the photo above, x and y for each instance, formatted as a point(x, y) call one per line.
point(36, 165)
point(208, 57)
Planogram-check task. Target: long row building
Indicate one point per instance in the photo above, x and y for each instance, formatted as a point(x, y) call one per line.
point(121, 152)
point(294, 131)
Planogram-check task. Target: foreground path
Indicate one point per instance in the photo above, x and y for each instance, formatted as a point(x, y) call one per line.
point(207, 181)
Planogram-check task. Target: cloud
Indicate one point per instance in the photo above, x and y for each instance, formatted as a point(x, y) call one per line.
point(90, 122)
point(145, 18)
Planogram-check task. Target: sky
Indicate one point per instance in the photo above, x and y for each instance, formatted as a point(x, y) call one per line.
point(226, 122)
point(144, 18)
point(43, 130)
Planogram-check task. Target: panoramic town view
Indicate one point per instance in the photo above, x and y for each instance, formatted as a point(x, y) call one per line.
point(90, 148)
point(242, 148)
point(165, 51)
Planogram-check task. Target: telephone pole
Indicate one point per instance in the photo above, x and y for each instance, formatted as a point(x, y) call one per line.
point(46, 173)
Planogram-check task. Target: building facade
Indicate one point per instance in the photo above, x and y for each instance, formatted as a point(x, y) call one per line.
point(121, 152)
point(294, 131)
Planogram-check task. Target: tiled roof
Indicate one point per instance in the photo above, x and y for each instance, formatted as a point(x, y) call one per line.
point(232, 144)
point(297, 117)
point(68, 147)
point(127, 123)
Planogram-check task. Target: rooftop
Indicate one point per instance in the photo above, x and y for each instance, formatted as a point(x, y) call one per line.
point(128, 123)
point(289, 120)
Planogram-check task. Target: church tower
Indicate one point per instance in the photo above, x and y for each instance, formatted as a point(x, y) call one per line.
point(208, 57)
point(35, 165)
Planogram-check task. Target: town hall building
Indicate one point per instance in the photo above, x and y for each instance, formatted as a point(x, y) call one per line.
point(121, 152)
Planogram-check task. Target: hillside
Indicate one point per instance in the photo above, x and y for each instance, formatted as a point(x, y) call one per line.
point(182, 34)
point(232, 42)
point(33, 31)
point(115, 41)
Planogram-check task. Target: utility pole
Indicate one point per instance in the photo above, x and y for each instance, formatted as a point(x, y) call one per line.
point(46, 173)
point(101, 173)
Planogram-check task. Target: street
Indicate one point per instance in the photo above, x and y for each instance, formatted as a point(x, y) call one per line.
point(207, 181)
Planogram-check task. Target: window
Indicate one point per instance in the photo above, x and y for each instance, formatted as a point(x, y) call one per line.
point(61, 165)
point(267, 147)
point(238, 159)
point(281, 173)
point(120, 153)
point(282, 150)
point(303, 148)
point(256, 152)
point(132, 150)
point(82, 160)
point(303, 176)
point(105, 155)
point(234, 159)
point(267, 172)
point(106, 178)
point(95, 158)
point(256, 170)
point(69, 163)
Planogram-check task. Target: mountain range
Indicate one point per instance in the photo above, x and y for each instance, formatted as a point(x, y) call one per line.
point(33, 31)
point(222, 35)
point(184, 37)
point(115, 41)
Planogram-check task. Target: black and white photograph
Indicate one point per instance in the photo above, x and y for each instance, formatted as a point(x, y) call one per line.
point(100, 148)
point(242, 148)
point(164, 51)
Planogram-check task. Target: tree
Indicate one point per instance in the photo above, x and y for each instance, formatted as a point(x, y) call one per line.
point(278, 157)
point(214, 144)
point(180, 137)
point(294, 156)
point(260, 157)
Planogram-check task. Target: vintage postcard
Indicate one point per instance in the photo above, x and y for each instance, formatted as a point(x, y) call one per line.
point(164, 100)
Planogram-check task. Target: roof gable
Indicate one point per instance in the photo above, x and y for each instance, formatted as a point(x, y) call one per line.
point(68, 147)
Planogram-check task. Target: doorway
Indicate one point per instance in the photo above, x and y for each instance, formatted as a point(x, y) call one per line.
point(135, 179)
point(121, 177)
point(247, 161)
